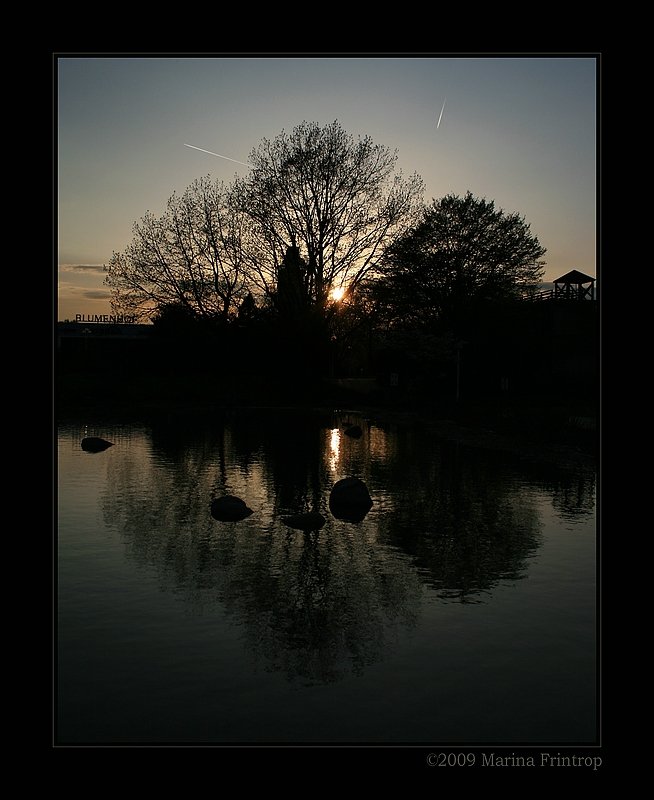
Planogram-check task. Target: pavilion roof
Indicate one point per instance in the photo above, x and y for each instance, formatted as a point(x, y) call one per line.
point(574, 276)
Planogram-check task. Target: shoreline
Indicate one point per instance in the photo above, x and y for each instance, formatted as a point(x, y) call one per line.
point(530, 428)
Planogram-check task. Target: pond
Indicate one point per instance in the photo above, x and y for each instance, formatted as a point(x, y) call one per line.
point(460, 609)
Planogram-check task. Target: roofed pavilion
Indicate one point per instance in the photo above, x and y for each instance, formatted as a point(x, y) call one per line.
point(574, 285)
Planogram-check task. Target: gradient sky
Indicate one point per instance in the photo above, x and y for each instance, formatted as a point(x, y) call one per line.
point(520, 131)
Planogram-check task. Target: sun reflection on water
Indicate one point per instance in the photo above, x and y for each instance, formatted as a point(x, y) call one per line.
point(334, 448)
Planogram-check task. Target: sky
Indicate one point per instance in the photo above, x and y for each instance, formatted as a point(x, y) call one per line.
point(518, 130)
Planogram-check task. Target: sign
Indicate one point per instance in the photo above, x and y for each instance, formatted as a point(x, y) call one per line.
point(122, 319)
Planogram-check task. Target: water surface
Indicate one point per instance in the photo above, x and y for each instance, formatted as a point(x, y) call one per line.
point(461, 609)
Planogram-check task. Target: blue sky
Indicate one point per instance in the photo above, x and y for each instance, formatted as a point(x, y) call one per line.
point(520, 131)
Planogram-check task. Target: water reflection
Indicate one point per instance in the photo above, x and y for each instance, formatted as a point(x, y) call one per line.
point(322, 604)
point(334, 448)
point(574, 496)
point(319, 605)
point(467, 527)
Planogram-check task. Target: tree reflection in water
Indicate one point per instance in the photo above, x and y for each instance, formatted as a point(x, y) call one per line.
point(322, 604)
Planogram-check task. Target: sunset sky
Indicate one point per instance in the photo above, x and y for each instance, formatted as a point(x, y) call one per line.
point(520, 131)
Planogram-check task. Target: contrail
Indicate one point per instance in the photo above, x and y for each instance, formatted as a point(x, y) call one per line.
point(440, 116)
point(218, 154)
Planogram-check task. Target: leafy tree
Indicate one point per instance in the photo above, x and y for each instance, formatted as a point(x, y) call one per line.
point(290, 299)
point(334, 200)
point(192, 257)
point(463, 251)
point(174, 318)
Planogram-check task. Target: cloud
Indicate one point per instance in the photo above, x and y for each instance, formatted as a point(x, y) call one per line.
point(73, 291)
point(97, 294)
point(81, 267)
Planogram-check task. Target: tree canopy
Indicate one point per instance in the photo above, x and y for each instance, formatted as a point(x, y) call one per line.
point(462, 251)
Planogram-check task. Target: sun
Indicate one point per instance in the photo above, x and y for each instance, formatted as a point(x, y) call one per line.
point(338, 293)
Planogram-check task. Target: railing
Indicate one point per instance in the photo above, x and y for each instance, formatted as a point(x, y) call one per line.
point(551, 294)
point(545, 294)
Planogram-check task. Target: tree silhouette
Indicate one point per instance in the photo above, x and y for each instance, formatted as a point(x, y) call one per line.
point(335, 199)
point(291, 298)
point(192, 256)
point(330, 201)
point(463, 251)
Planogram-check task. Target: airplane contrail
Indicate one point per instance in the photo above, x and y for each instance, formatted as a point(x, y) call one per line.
point(440, 116)
point(218, 154)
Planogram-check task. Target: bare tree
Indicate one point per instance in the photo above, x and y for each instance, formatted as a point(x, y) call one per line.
point(333, 199)
point(191, 256)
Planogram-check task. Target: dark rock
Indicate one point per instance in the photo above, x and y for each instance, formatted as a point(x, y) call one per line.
point(94, 444)
point(311, 521)
point(354, 431)
point(350, 500)
point(229, 509)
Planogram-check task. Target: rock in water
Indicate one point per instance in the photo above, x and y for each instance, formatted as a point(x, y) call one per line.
point(350, 500)
point(94, 444)
point(229, 509)
point(354, 431)
point(311, 521)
